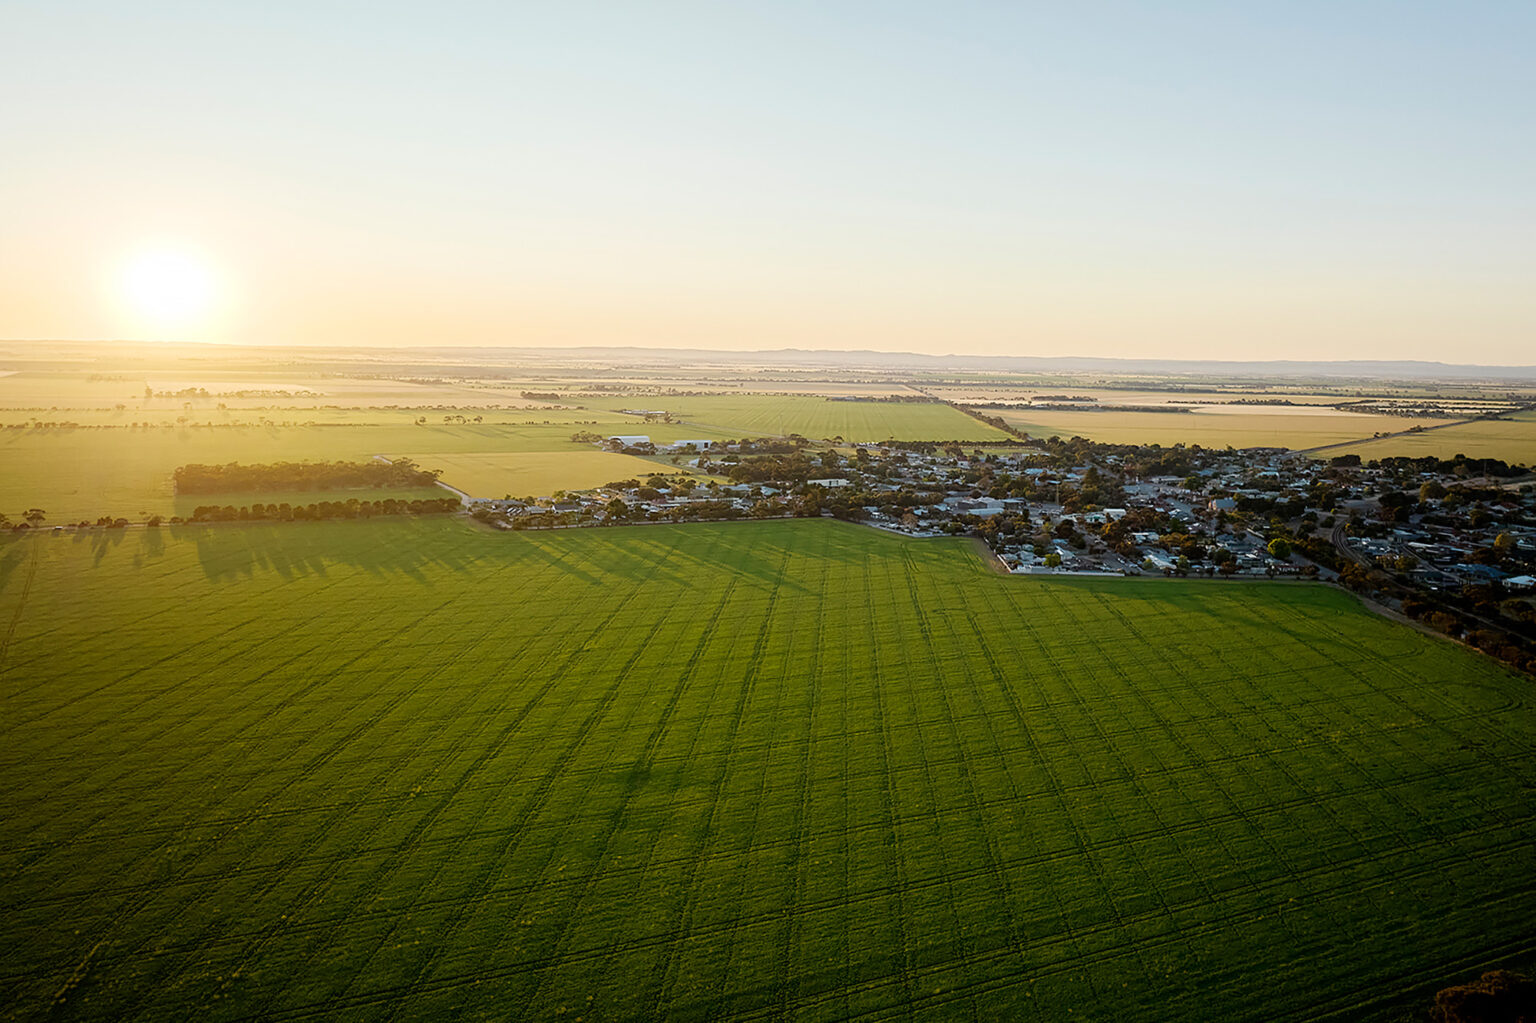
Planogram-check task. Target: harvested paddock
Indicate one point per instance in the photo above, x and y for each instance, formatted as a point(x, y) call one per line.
point(1512, 439)
point(537, 473)
point(1265, 429)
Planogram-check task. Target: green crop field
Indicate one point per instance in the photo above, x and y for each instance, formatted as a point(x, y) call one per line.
point(1211, 430)
point(759, 415)
point(410, 769)
point(1512, 439)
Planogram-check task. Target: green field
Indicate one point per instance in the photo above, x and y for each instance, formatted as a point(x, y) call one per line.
point(85, 473)
point(408, 770)
point(775, 415)
point(74, 474)
point(1512, 439)
point(540, 473)
point(1238, 430)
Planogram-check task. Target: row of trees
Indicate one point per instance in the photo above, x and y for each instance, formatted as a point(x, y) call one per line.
point(1456, 465)
point(234, 477)
point(29, 519)
point(349, 509)
point(1466, 615)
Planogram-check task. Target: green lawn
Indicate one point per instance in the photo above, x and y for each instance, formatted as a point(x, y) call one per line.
point(413, 770)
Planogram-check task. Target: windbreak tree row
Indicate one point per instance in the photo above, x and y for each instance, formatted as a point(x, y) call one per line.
point(349, 509)
point(286, 476)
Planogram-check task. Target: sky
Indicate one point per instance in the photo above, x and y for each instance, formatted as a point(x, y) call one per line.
point(1196, 180)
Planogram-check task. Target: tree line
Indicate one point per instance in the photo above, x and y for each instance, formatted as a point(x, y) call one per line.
point(349, 509)
point(222, 479)
point(1473, 614)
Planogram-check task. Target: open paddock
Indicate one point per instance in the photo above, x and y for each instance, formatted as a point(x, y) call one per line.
point(1512, 439)
point(759, 415)
point(539, 473)
point(1238, 429)
point(412, 770)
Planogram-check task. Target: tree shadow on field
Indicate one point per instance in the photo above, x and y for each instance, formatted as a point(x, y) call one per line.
point(14, 556)
point(153, 543)
point(686, 553)
point(231, 552)
point(104, 540)
point(638, 558)
point(550, 551)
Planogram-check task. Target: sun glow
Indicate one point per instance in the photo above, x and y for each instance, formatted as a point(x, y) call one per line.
point(169, 287)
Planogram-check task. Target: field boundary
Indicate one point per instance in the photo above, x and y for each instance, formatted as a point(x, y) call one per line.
point(1413, 431)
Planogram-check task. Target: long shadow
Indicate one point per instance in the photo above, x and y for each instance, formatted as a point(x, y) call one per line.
point(419, 550)
point(755, 550)
point(540, 548)
point(103, 541)
point(153, 542)
point(229, 552)
point(14, 557)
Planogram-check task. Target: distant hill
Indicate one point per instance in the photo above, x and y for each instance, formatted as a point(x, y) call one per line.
point(806, 358)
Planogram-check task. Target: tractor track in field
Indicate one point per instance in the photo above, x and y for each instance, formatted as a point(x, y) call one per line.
point(864, 833)
point(582, 886)
point(391, 863)
point(21, 606)
point(1069, 939)
point(423, 974)
point(1298, 779)
point(669, 968)
point(1117, 735)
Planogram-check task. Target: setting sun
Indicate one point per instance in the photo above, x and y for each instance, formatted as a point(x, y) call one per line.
point(170, 287)
point(797, 510)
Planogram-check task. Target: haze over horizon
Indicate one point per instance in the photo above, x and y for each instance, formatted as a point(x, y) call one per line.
point(1213, 183)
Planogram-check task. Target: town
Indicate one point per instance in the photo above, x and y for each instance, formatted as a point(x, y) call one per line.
point(1448, 541)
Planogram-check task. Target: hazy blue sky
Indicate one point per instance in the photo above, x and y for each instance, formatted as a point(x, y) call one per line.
point(1305, 180)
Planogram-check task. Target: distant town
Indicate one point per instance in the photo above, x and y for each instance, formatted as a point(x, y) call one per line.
point(1451, 542)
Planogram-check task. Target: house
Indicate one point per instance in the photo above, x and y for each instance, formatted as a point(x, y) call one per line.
point(984, 506)
point(828, 483)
